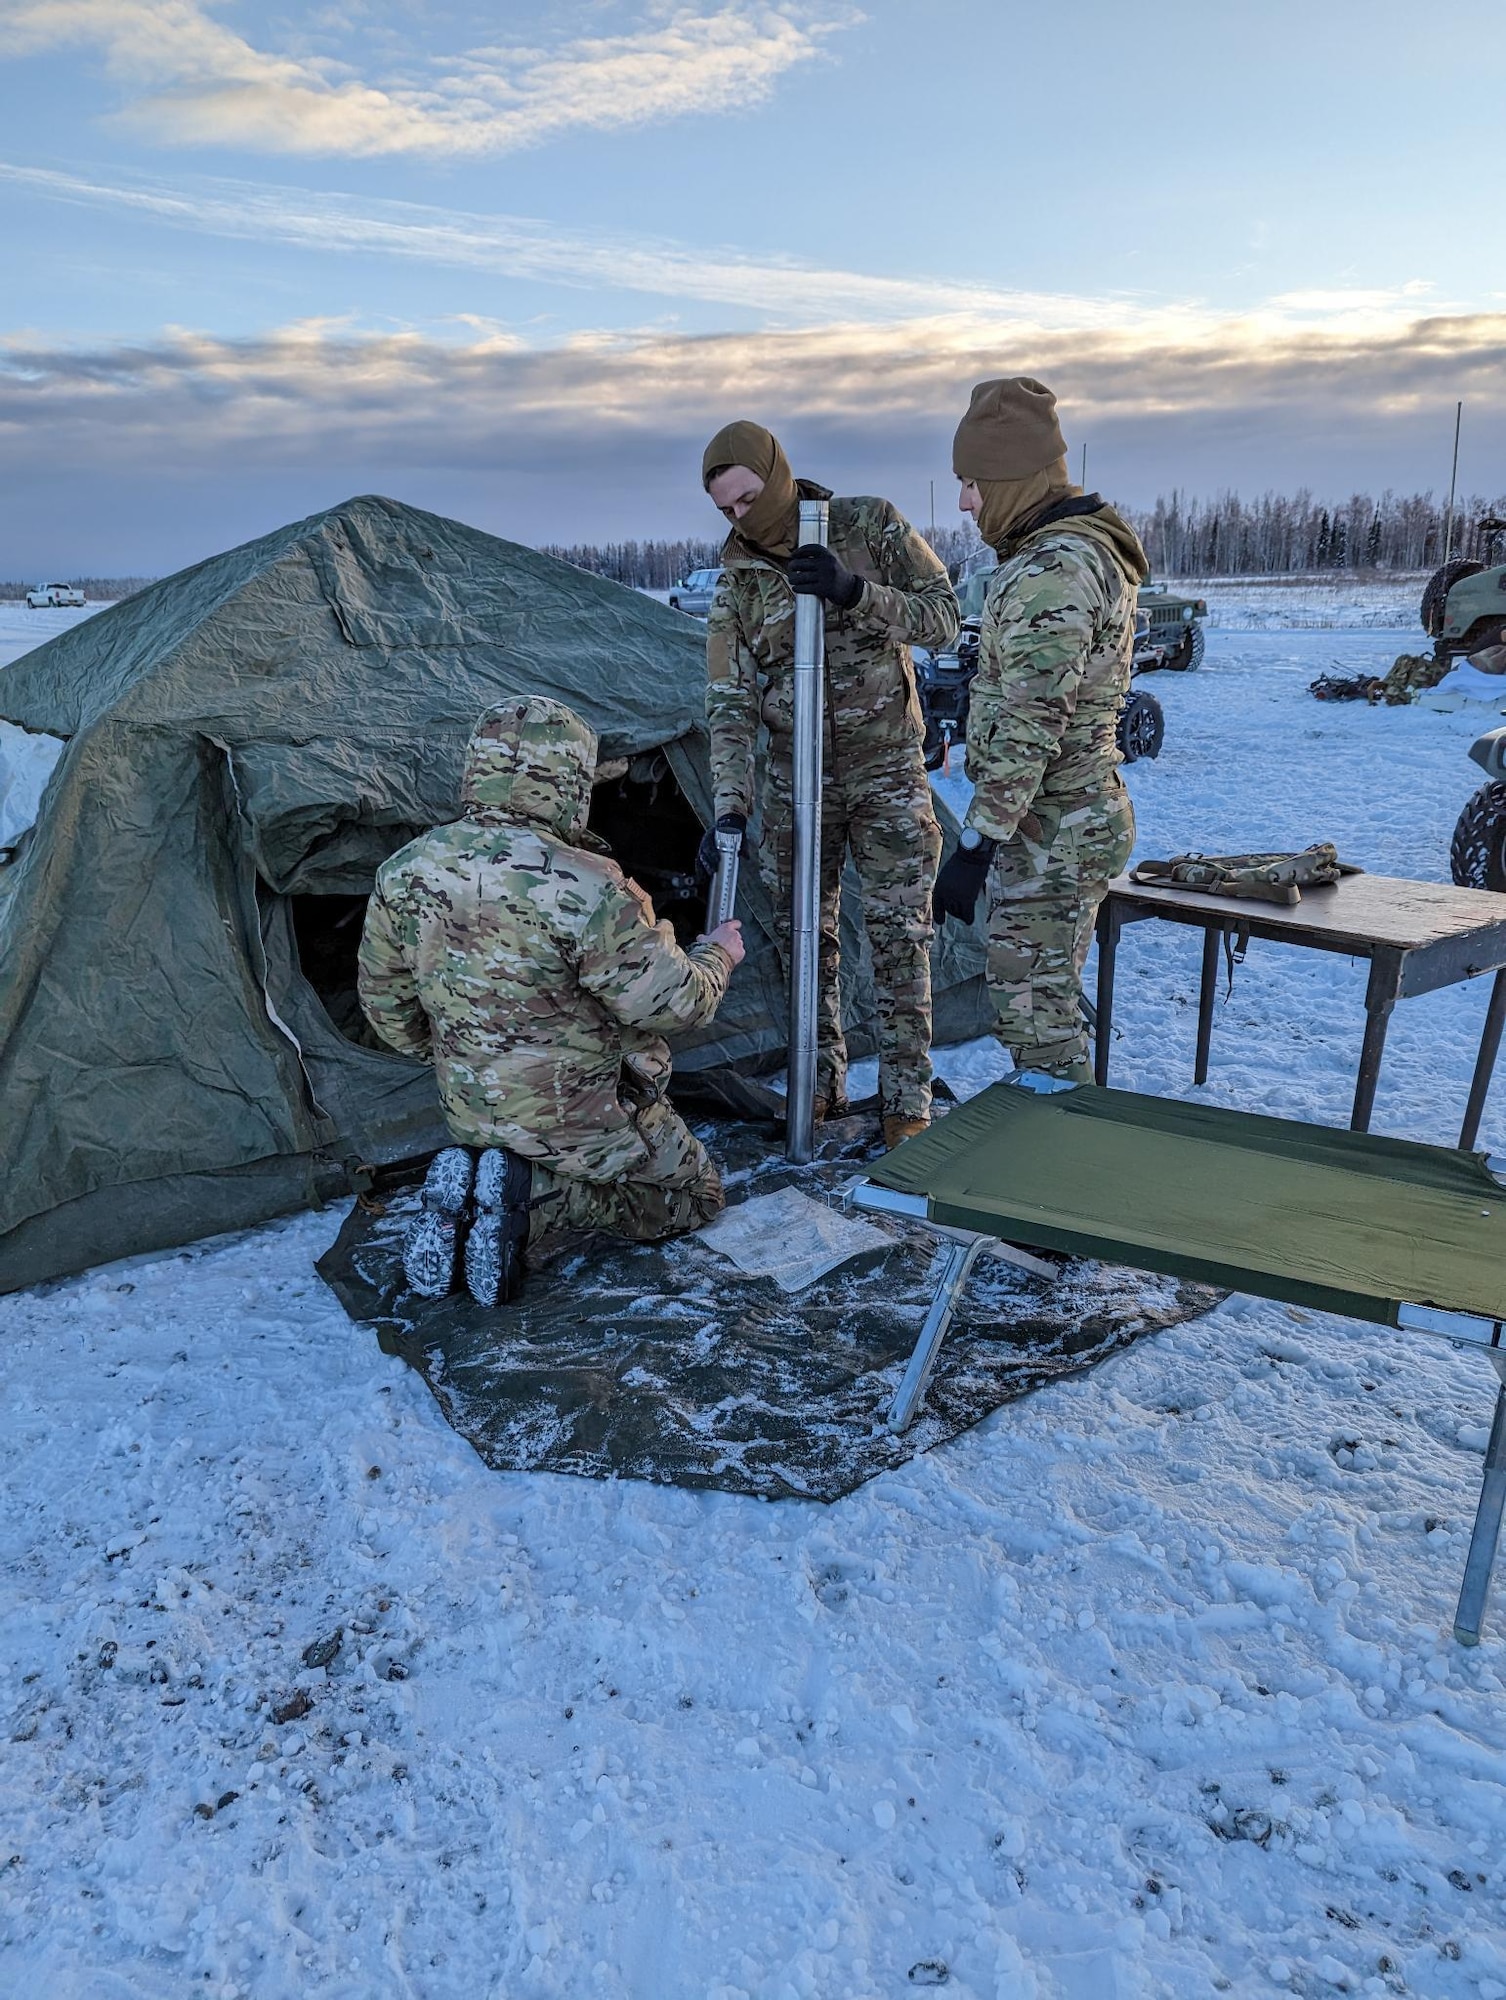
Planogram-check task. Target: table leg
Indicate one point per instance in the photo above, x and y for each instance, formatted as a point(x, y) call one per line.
point(1108, 950)
point(1213, 937)
point(1485, 1062)
point(1487, 1530)
point(1380, 998)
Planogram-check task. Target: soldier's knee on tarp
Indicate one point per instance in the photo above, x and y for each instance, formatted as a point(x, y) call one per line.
point(510, 950)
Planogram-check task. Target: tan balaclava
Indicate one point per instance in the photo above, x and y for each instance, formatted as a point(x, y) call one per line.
point(1011, 444)
point(773, 521)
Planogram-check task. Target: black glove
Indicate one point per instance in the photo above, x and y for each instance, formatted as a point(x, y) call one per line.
point(707, 859)
point(815, 572)
point(960, 883)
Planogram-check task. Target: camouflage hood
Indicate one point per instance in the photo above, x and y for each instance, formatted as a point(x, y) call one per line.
point(531, 759)
point(1098, 521)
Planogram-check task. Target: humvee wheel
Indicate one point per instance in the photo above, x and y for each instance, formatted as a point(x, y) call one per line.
point(1439, 584)
point(1141, 728)
point(1188, 656)
point(1477, 853)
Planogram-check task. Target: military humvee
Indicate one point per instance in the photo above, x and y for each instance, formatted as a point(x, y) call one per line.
point(1172, 639)
point(944, 683)
point(1464, 605)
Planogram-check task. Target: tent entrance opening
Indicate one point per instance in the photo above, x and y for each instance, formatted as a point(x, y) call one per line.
point(327, 931)
point(653, 833)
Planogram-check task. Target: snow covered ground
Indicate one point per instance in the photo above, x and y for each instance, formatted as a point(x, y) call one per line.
point(21, 628)
point(1143, 1688)
point(1270, 604)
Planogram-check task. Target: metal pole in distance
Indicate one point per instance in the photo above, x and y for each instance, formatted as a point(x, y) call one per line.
point(1453, 482)
point(805, 887)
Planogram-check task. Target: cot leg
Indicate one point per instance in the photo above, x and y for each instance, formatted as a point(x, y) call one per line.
point(1482, 1543)
point(1108, 950)
point(1380, 998)
point(1485, 1062)
point(1213, 937)
point(960, 1258)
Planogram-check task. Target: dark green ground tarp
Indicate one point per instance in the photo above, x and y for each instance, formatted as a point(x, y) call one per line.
point(666, 1363)
point(1342, 1221)
point(179, 1048)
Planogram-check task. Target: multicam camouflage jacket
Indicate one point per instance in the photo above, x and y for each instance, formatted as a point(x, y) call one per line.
point(1053, 666)
point(870, 683)
point(527, 967)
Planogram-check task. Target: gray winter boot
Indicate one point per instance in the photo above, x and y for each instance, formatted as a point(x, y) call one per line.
point(433, 1245)
point(499, 1230)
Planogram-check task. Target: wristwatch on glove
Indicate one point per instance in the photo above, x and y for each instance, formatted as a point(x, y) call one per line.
point(960, 883)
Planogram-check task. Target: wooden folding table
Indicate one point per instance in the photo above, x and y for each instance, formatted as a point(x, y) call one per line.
point(1418, 936)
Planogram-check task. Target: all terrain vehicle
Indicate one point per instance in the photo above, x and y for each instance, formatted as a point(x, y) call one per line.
point(1477, 853)
point(944, 683)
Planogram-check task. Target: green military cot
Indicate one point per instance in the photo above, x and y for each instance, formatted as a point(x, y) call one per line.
point(1406, 1235)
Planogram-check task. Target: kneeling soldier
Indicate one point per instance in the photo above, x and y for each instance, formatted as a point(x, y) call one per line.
point(1050, 822)
point(513, 953)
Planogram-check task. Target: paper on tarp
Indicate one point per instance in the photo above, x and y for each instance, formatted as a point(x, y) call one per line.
point(790, 1238)
point(27, 761)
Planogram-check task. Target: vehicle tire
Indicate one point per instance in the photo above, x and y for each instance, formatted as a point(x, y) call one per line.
point(1141, 728)
point(1439, 584)
point(1189, 654)
point(1477, 853)
point(674, 604)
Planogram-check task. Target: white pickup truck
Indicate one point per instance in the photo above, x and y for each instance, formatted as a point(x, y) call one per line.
point(55, 596)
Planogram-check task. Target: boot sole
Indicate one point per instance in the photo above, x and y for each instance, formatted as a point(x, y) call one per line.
point(431, 1251)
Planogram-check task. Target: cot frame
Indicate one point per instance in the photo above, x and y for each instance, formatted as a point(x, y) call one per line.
point(963, 1247)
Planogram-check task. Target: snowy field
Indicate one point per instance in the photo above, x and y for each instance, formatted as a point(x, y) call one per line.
point(21, 628)
point(1303, 603)
point(1143, 1688)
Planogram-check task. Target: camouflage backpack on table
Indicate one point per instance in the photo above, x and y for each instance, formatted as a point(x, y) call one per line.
point(1273, 878)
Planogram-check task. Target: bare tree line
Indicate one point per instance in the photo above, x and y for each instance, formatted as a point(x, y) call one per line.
point(1184, 535)
point(643, 565)
point(1278, 534)
point(1281, 534)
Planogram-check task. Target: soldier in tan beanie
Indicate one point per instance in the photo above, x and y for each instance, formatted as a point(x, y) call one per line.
point(1050, 822)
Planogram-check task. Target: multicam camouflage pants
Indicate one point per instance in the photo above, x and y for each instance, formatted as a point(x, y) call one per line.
point(1043, 898)
point(884, 817)
point(674, 1189)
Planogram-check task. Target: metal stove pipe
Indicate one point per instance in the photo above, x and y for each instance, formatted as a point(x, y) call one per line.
point(805, 899)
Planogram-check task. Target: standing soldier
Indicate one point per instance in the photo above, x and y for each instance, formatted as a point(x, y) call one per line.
point(884, 589)
point(511, 951)
point(1050, 822)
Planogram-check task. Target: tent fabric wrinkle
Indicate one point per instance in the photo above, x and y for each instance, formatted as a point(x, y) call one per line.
point(246, 743)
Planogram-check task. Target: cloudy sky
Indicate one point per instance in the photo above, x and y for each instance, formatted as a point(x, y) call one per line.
point(516, 262)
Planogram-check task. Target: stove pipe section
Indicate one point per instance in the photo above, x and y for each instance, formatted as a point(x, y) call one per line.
point(805, 884)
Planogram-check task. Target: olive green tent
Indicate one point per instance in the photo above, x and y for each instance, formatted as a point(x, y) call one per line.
point(244, 743)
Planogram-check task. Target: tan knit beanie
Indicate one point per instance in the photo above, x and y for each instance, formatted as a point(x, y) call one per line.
point(1010, 431)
